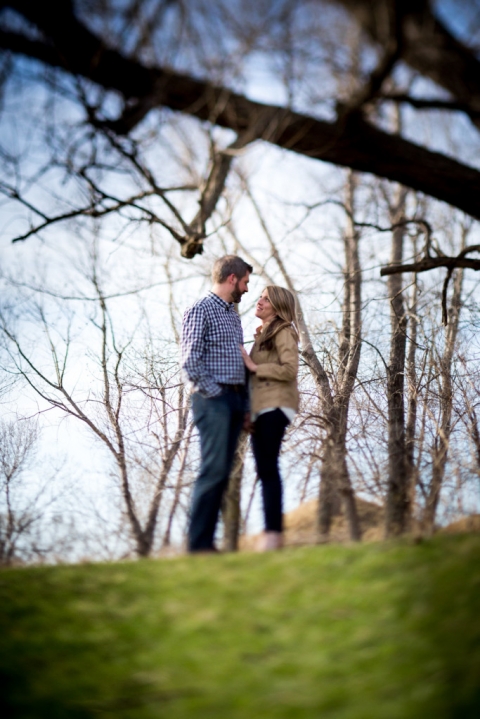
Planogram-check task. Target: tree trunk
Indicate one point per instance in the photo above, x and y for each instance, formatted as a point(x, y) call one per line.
point(231, 511)
point(329, 499)
point(178, 488)
point(335, 480)
point(336, 489)
point(412, 404)
point(142, 545)
point(397, 502)
point(440, 450)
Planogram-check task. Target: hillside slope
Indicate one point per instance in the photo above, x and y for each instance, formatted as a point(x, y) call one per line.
point(359, 632)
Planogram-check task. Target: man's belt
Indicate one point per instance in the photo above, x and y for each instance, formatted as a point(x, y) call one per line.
point(239, 388)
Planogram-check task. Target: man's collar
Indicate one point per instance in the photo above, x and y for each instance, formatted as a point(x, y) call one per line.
point(223, 303)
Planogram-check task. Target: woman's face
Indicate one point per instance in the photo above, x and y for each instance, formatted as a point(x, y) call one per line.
point(264, 309)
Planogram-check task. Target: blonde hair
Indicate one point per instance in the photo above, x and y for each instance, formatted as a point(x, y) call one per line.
point(283, 302)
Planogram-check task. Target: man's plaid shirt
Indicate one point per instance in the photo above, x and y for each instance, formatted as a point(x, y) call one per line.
point(211, 338)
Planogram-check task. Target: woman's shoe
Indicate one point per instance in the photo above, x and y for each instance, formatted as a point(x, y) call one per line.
point(270, 541)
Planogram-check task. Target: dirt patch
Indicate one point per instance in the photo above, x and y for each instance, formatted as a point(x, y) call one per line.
point(301, 525)
point(464, 525)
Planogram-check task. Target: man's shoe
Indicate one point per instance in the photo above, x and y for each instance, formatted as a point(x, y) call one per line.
point(204, 550)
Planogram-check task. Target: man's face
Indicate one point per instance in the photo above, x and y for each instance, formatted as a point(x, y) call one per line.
point(240, 287)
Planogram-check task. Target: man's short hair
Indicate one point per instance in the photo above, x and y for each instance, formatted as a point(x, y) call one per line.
point(229, 265)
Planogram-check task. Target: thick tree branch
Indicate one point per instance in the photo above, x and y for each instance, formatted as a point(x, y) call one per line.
point(353, 143)
point(390, 55)
point(431, 263)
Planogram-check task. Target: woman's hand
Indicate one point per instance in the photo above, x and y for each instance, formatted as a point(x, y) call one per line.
point(249, 363)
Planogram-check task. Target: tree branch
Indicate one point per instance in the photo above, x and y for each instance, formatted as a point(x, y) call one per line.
point(427, 46)
point(431, 263)
point(353, 143)
point(430, 103)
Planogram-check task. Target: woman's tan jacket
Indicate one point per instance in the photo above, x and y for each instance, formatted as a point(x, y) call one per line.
point(274, 384)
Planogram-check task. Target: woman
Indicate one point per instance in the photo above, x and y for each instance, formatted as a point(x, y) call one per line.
point(273, 364)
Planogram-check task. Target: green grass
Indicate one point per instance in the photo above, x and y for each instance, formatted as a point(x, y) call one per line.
point(365, 632)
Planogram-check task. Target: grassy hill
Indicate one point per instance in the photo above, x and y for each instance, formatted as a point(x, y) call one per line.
point(359, 632)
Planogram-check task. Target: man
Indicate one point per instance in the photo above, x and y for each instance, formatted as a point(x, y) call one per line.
point(212, 361)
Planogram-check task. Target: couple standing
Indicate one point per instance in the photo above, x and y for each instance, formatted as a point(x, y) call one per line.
point(225, 399)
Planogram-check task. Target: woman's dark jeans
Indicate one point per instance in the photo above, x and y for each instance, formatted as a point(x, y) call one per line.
point(219, 421)
point(267, 437)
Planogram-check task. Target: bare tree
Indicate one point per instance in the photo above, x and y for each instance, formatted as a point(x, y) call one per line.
point(139, 415)
point(24, 503)
point(397, 500)
point(413, 375)
point(444, 368)
point(467, 409)
point(335, 477)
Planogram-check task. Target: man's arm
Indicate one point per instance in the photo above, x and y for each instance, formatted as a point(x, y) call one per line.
point(193, 350)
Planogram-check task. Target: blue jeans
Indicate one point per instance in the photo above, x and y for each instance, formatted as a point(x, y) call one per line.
point(219, 421)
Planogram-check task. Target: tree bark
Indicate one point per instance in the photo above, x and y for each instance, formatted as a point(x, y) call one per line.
point(335, 483)
point(412, 403)
point(231, 509)
point(440, 449)
point(397, 490)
